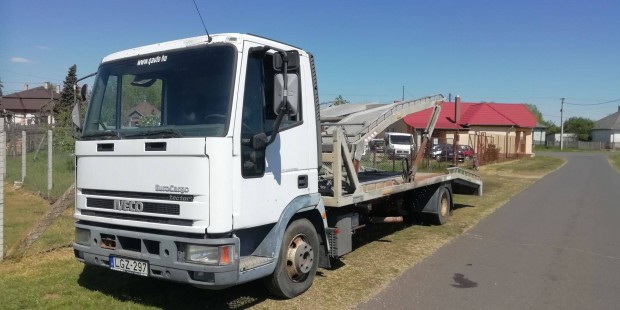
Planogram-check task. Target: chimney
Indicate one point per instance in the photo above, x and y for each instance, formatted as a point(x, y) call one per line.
point(619, 108)
point(457, 108)
point(25, 86)
point(46, 85)
point(58, 89)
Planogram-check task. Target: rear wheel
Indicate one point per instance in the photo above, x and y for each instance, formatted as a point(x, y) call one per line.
point(298, 261)
point(443, 206)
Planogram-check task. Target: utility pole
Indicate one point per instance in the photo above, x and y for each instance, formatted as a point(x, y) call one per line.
point(403, 92)
point(562, 125)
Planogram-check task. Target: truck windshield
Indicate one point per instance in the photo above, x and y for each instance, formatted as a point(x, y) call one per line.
point(181, 93)
point(401, 139)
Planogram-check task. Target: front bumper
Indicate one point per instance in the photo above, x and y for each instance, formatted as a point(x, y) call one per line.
point(164, 254)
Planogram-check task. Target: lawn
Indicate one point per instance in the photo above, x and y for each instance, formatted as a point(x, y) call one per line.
point(56, 280)
point(22, 210)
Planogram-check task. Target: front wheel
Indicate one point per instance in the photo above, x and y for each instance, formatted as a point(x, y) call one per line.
point(298, 261)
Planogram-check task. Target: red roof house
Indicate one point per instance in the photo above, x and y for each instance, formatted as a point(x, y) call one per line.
point(476, 114)
point(509, 125)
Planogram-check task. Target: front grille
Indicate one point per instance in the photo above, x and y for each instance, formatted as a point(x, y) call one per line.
point(149, 207)
point(154, 196)
point(136, 217)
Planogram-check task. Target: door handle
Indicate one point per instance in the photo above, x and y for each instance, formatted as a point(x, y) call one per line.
point(302, 181)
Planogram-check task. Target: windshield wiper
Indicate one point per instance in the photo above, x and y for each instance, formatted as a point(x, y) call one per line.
point(158, 133)
point(109, 134)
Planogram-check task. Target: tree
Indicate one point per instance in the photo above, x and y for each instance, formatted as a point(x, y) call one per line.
point(62, 109)
point(339, 100)
point(580, 126)
point(552, 128)
point(1, 87)
point(536, 112)
point(63, 133)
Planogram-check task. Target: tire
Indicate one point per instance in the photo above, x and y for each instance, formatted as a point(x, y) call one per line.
point(443, 206)
point(298, 261)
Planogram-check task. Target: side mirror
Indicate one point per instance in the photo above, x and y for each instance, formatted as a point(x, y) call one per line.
point(292, 95)
point(83, 92)
point(291, 56)
point(75, 117)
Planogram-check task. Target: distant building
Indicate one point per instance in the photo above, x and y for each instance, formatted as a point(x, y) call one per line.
point(539, 135)
point(570, 139)
point(141, 110)
point(30, 106)
point(607, 130)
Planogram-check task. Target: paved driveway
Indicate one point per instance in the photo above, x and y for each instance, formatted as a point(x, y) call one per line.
point(554, 246)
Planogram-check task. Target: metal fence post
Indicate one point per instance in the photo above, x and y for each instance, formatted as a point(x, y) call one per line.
point(49, 163)
point(2, 167)
point(3, 148)
point(23, 156)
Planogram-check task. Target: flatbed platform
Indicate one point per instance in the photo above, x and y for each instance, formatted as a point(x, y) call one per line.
point(378, 184)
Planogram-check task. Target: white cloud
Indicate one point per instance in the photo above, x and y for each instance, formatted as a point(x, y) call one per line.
point(20, 60)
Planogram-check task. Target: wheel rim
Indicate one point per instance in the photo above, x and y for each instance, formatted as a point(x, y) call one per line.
point(299, 258)
point(444, 207)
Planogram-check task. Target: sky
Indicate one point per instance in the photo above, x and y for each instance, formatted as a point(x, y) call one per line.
point(527, 51)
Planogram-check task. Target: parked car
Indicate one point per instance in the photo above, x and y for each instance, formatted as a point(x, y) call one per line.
point(377, 145)
point(468, 151)
point(445, 152)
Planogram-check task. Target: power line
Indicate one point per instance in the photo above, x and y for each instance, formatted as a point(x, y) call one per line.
point(590, 104)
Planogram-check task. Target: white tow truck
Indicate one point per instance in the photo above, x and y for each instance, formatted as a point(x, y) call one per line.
point(205, 161)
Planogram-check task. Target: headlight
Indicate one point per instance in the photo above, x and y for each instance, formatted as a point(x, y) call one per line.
point(82, 236)
point(209, 255)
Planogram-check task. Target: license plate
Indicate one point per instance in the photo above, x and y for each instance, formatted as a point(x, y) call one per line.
point(129, 265)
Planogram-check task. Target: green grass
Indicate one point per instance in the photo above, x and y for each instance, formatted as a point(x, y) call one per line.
point(22, 209)
point(36, 173)
point(542, 148)
point(527, 166)
point(57, 280)
point(615, 161)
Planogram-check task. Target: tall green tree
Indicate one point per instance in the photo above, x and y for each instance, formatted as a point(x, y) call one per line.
point(339, 100)
point(62, 109)
point(536, 112)
point(551, 127)
point(1, 87)
point(581, 126)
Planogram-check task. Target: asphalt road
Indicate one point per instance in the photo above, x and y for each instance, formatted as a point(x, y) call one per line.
point(556, 245)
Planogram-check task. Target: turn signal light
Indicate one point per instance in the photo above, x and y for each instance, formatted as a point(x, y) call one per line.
point(226, 255)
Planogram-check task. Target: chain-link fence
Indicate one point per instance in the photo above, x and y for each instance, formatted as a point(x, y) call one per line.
point(38, 171)
point(442, 152)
